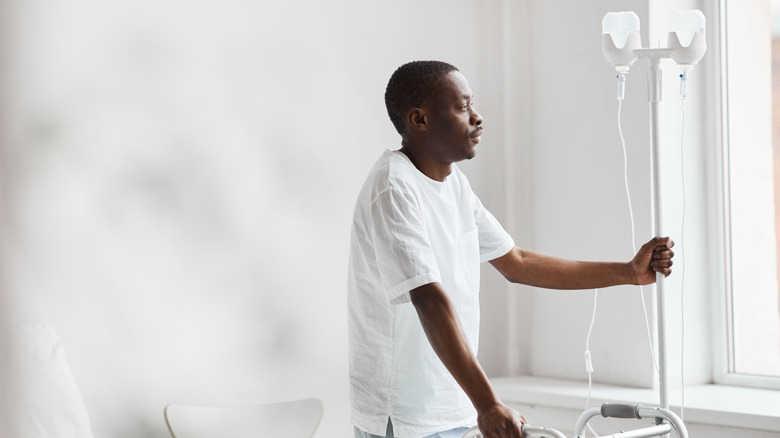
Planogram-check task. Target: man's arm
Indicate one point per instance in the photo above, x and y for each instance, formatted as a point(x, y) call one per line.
point(533, 269)
point(442, 327)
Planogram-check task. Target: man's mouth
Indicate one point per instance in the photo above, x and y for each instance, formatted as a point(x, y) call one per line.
point(476, 134)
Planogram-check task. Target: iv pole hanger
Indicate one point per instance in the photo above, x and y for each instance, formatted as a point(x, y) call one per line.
point(621, 45)
point(621, 42)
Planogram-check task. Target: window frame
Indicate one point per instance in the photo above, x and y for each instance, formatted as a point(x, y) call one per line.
point(723, 312)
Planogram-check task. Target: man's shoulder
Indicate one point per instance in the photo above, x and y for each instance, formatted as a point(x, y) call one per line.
point(388, 180)
point(391, 171)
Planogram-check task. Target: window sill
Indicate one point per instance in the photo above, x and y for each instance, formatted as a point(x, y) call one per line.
point(715, 405)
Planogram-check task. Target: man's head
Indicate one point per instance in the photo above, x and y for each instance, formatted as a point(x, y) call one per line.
point(431, 105)
point(413, 85)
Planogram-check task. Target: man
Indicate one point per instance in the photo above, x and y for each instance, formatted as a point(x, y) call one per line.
point(418, 236)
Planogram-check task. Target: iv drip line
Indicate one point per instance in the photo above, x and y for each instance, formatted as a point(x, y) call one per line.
point(588, 362)
point(682, 249)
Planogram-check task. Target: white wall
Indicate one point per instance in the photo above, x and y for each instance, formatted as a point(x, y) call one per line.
point(579, 208)
point(182, 186)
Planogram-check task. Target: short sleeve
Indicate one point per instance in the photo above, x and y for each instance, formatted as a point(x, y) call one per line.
point(494, 241)
point(405, 258)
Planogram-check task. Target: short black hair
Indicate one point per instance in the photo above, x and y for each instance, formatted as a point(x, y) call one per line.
point(411, 86)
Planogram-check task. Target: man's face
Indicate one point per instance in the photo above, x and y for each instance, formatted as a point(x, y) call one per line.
point(454, 126)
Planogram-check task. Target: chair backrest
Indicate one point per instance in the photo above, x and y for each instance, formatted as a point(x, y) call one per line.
point(44, 398)
point(295, 419)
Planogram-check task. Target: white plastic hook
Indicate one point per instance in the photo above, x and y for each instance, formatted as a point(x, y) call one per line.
point(686, 37)
point(686, 23)
point(619, 25)
point(620, 36)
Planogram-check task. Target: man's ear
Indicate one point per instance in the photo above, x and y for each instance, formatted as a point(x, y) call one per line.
point(417, 119)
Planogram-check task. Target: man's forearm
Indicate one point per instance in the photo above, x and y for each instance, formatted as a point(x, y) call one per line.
point(533, 269)
point(442, 327)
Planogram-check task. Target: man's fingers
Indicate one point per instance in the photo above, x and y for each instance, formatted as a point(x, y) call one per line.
point(518, 431)
point(658, 243)
point(665, 271)
point(520, 422)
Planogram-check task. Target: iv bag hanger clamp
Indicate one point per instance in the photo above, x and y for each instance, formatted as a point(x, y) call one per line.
point(621, 45)
point(621, 42)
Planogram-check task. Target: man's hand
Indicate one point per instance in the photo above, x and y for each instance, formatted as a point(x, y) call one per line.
point(500, 421)
point(654, 256)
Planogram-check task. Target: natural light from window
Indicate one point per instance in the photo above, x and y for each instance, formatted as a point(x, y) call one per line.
point(755, 226)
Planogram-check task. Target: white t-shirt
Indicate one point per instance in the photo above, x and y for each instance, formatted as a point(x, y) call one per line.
point(409, 230)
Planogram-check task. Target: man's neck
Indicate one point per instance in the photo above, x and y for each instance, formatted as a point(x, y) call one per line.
point(426, 164)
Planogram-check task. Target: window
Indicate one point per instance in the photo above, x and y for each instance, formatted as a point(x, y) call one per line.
point(752, 166)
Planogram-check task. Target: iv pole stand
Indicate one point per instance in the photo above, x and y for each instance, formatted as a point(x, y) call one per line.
point(654, 94)
point(623, 28)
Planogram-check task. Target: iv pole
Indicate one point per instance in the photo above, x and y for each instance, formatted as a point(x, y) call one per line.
point(623, 27)
point(654, 93)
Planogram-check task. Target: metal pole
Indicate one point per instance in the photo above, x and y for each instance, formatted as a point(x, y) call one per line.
point(654, 91)
point(654, 94)
point(647, 432)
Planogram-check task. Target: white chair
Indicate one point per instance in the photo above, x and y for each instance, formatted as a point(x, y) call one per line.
point(295, 419)
point(42, 395)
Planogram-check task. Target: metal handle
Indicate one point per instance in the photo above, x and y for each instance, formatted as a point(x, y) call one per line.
point(619, 410)
point(528, 432)
point(641, 412)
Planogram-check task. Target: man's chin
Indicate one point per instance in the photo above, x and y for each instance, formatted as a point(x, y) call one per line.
point(467, 155)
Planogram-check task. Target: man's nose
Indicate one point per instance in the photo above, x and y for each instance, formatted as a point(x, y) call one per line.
point(476, 118)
